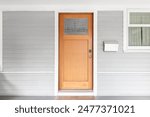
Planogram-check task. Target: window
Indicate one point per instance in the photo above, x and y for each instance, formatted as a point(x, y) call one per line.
point(76, 26)
point(138, 31)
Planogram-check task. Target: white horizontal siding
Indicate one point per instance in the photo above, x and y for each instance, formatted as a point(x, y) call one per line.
point(28, 41)
point(28, 53)
point(110, 27)
point(27, 84)
point(117, 83)
point(124, 62)
point(123, 84)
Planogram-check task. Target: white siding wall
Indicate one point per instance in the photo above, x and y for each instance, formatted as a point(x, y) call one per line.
point(28, 41)
point(28, 53)
point(132, 81)
point(123, 84)
point(27, 84)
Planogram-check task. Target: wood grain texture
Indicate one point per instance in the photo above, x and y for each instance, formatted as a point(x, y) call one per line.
point(75, 61)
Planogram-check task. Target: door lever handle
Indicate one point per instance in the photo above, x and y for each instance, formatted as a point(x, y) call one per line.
point(90, 53)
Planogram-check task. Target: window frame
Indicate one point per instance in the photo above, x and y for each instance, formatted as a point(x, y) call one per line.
point(127, 24)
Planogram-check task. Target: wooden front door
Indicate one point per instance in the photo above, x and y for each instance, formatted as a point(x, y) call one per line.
point(75, 51)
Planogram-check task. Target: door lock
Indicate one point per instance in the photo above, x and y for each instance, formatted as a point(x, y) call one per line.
point(90, 53)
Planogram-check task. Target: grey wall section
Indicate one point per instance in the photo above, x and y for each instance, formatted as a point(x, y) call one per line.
point(28, 46)
point(28, 41)
point(110, 27)
point(27, 84)
point(124, 84)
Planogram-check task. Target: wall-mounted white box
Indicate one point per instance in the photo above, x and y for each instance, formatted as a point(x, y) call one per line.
point(111, 46)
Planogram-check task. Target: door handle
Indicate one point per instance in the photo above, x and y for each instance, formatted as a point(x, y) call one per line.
point(90, 53)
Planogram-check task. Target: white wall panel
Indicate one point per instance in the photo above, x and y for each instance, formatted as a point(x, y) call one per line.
point(110, 27)
point(27, 84)
point(28, 41)
point(28, 53)
point(119, 73)
point(123, 84)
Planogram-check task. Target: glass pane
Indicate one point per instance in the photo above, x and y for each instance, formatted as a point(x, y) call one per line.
point(139, 18)
point(146, 36)
point(76, 26)
point(135, 18)
point(134, 36)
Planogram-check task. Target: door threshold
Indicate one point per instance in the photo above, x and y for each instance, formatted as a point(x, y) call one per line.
point(75, 93)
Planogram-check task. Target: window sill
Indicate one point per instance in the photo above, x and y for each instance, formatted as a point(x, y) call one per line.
point(137, 49)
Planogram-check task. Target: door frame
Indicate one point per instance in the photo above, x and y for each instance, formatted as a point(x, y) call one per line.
point(56, 80)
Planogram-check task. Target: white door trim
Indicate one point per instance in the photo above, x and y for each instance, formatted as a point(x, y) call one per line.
point(56, 80)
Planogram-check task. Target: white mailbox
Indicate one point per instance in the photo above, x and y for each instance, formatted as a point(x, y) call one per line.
point(111, 46)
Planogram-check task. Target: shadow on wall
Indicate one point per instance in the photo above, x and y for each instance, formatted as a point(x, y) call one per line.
point(6, 87)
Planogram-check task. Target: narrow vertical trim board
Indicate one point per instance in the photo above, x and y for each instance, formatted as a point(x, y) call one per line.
point(56, 54)
point(95, 53)
point(1, 46)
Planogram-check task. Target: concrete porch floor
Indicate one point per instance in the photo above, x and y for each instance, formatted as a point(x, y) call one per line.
point(74, 98)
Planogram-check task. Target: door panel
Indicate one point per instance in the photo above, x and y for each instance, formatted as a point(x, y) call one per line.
point(75, 51)
point(75, 60)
